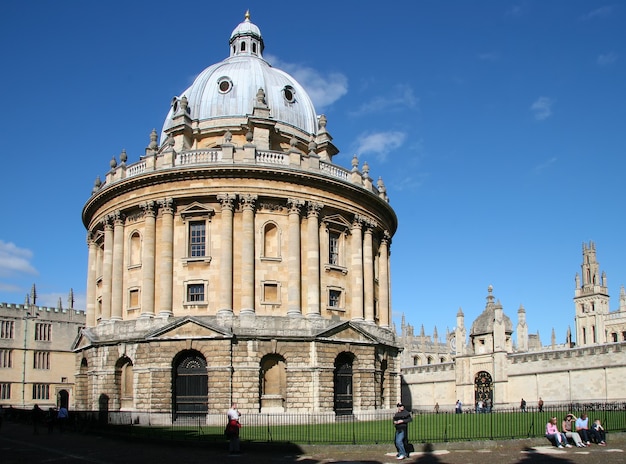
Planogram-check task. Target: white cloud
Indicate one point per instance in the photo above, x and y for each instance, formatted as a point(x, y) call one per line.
point(607, 58)
point(379, 144)
point(545, 165)
point(601, 12)
point(402, 97)
point(542, 108)
point(15, 260)
point(324, 90)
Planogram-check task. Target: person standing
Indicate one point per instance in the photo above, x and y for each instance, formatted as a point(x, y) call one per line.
point(459, 407)
point(436, 408)
point(232, 429)
point(62, 417)
point(401, 420)
point(540, 405)
point(522, 405)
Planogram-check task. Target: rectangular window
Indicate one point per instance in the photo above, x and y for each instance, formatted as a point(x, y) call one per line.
point(133, 298)
point(6, 329)
point(195, 293)
point(333, 248)
point(5, 391)
point(197, 238)
point(334, 298)
point(41, 391)
point(41, 360)
point(6, 359)
point(43, 332)
point(271, 292)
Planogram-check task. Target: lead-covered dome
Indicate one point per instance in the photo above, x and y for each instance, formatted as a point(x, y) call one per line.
point(229, 89)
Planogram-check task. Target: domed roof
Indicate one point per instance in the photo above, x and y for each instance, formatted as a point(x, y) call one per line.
point(229, 88)
point(483, 324)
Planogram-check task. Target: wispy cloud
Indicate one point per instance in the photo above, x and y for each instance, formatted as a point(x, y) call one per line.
point(324, 90)
point(545, 165)
point(602, 12)
point(605, 59)
point(489, 56)
point(379, 144)
point(15, 260)
point(542, 108)
point(401, 97)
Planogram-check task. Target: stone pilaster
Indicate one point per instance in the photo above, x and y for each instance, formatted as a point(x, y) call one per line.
point(294, 293)
point(384, 289)
point(107, 269)
point(166, 258)
point(313, 260)
point(148, 259)
point(91, 281)
point(368, 273)
point(247, 253)
point(356, 268)
point(117, 280)
point(226, 255)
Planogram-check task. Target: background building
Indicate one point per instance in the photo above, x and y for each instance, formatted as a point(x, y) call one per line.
point(37, 364)
point(495, 366)
point(236, 262)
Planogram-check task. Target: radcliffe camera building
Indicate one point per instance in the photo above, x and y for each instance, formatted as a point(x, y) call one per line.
point(235, 261)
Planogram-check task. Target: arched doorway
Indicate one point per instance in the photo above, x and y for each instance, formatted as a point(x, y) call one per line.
point(63, 399)
point(190, 385)
point(343, 384)
point(483, 390)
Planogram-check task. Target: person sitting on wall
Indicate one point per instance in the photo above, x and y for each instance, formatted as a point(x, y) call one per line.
point(598, 433)
point(582, 427)
point(566, 427)
point(556, 438)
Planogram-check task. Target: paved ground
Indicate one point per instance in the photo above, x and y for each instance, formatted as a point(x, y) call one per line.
point(18, 444)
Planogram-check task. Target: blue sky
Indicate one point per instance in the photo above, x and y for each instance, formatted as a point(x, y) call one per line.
point(498, 128)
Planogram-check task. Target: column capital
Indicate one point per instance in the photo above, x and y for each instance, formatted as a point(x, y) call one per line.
point(247, 201)
point(226, 200)
point(314, 208)
point(149, 208)
point(295, 205)
point(166, 205)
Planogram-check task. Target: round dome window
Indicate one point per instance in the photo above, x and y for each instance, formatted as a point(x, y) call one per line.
point(224, 84)
point(289, 93)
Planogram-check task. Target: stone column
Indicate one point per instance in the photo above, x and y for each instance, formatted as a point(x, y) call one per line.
point(356, 268)
point(313, 260)
point(226, 255)
point(166, 258)
point(91, 281)
point(117, 280)
point(148, 259)
point(368, 273)
point(247, 253)
point(294, 292)
point(107, 269)
point(383, 282)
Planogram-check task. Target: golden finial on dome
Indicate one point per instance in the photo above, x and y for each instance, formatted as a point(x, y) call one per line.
point(247, 17)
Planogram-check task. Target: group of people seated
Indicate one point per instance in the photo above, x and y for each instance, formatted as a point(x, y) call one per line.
point(577, 430)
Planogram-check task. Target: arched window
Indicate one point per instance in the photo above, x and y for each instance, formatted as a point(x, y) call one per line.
point(190, 384)
point(483, 389)
point(271, 241)
point(343, 391)
point(273, 383)
point(124, 382)
point(134, 249)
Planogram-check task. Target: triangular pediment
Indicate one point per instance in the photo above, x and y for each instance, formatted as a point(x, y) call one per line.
point(336, 221)
point(186, 328)
point(81, 342)
point(346, 332)
point(196, 210)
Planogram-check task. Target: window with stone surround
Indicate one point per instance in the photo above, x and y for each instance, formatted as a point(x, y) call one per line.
point(197, 219)
point(5, 391)
point(271, 242)
point(41, 391)
point(196, 292)
point(43, 332)
point(134, 249)
point(133, 298)
point(337, 230)
point(41, 360)
point(271, 293)
point(335, 299)
point(6, 329)
point(6, 359)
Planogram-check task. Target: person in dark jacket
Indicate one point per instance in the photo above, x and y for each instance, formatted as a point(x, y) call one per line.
point(401, 420)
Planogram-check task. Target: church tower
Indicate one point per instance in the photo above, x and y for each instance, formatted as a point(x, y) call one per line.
point(591, 299)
